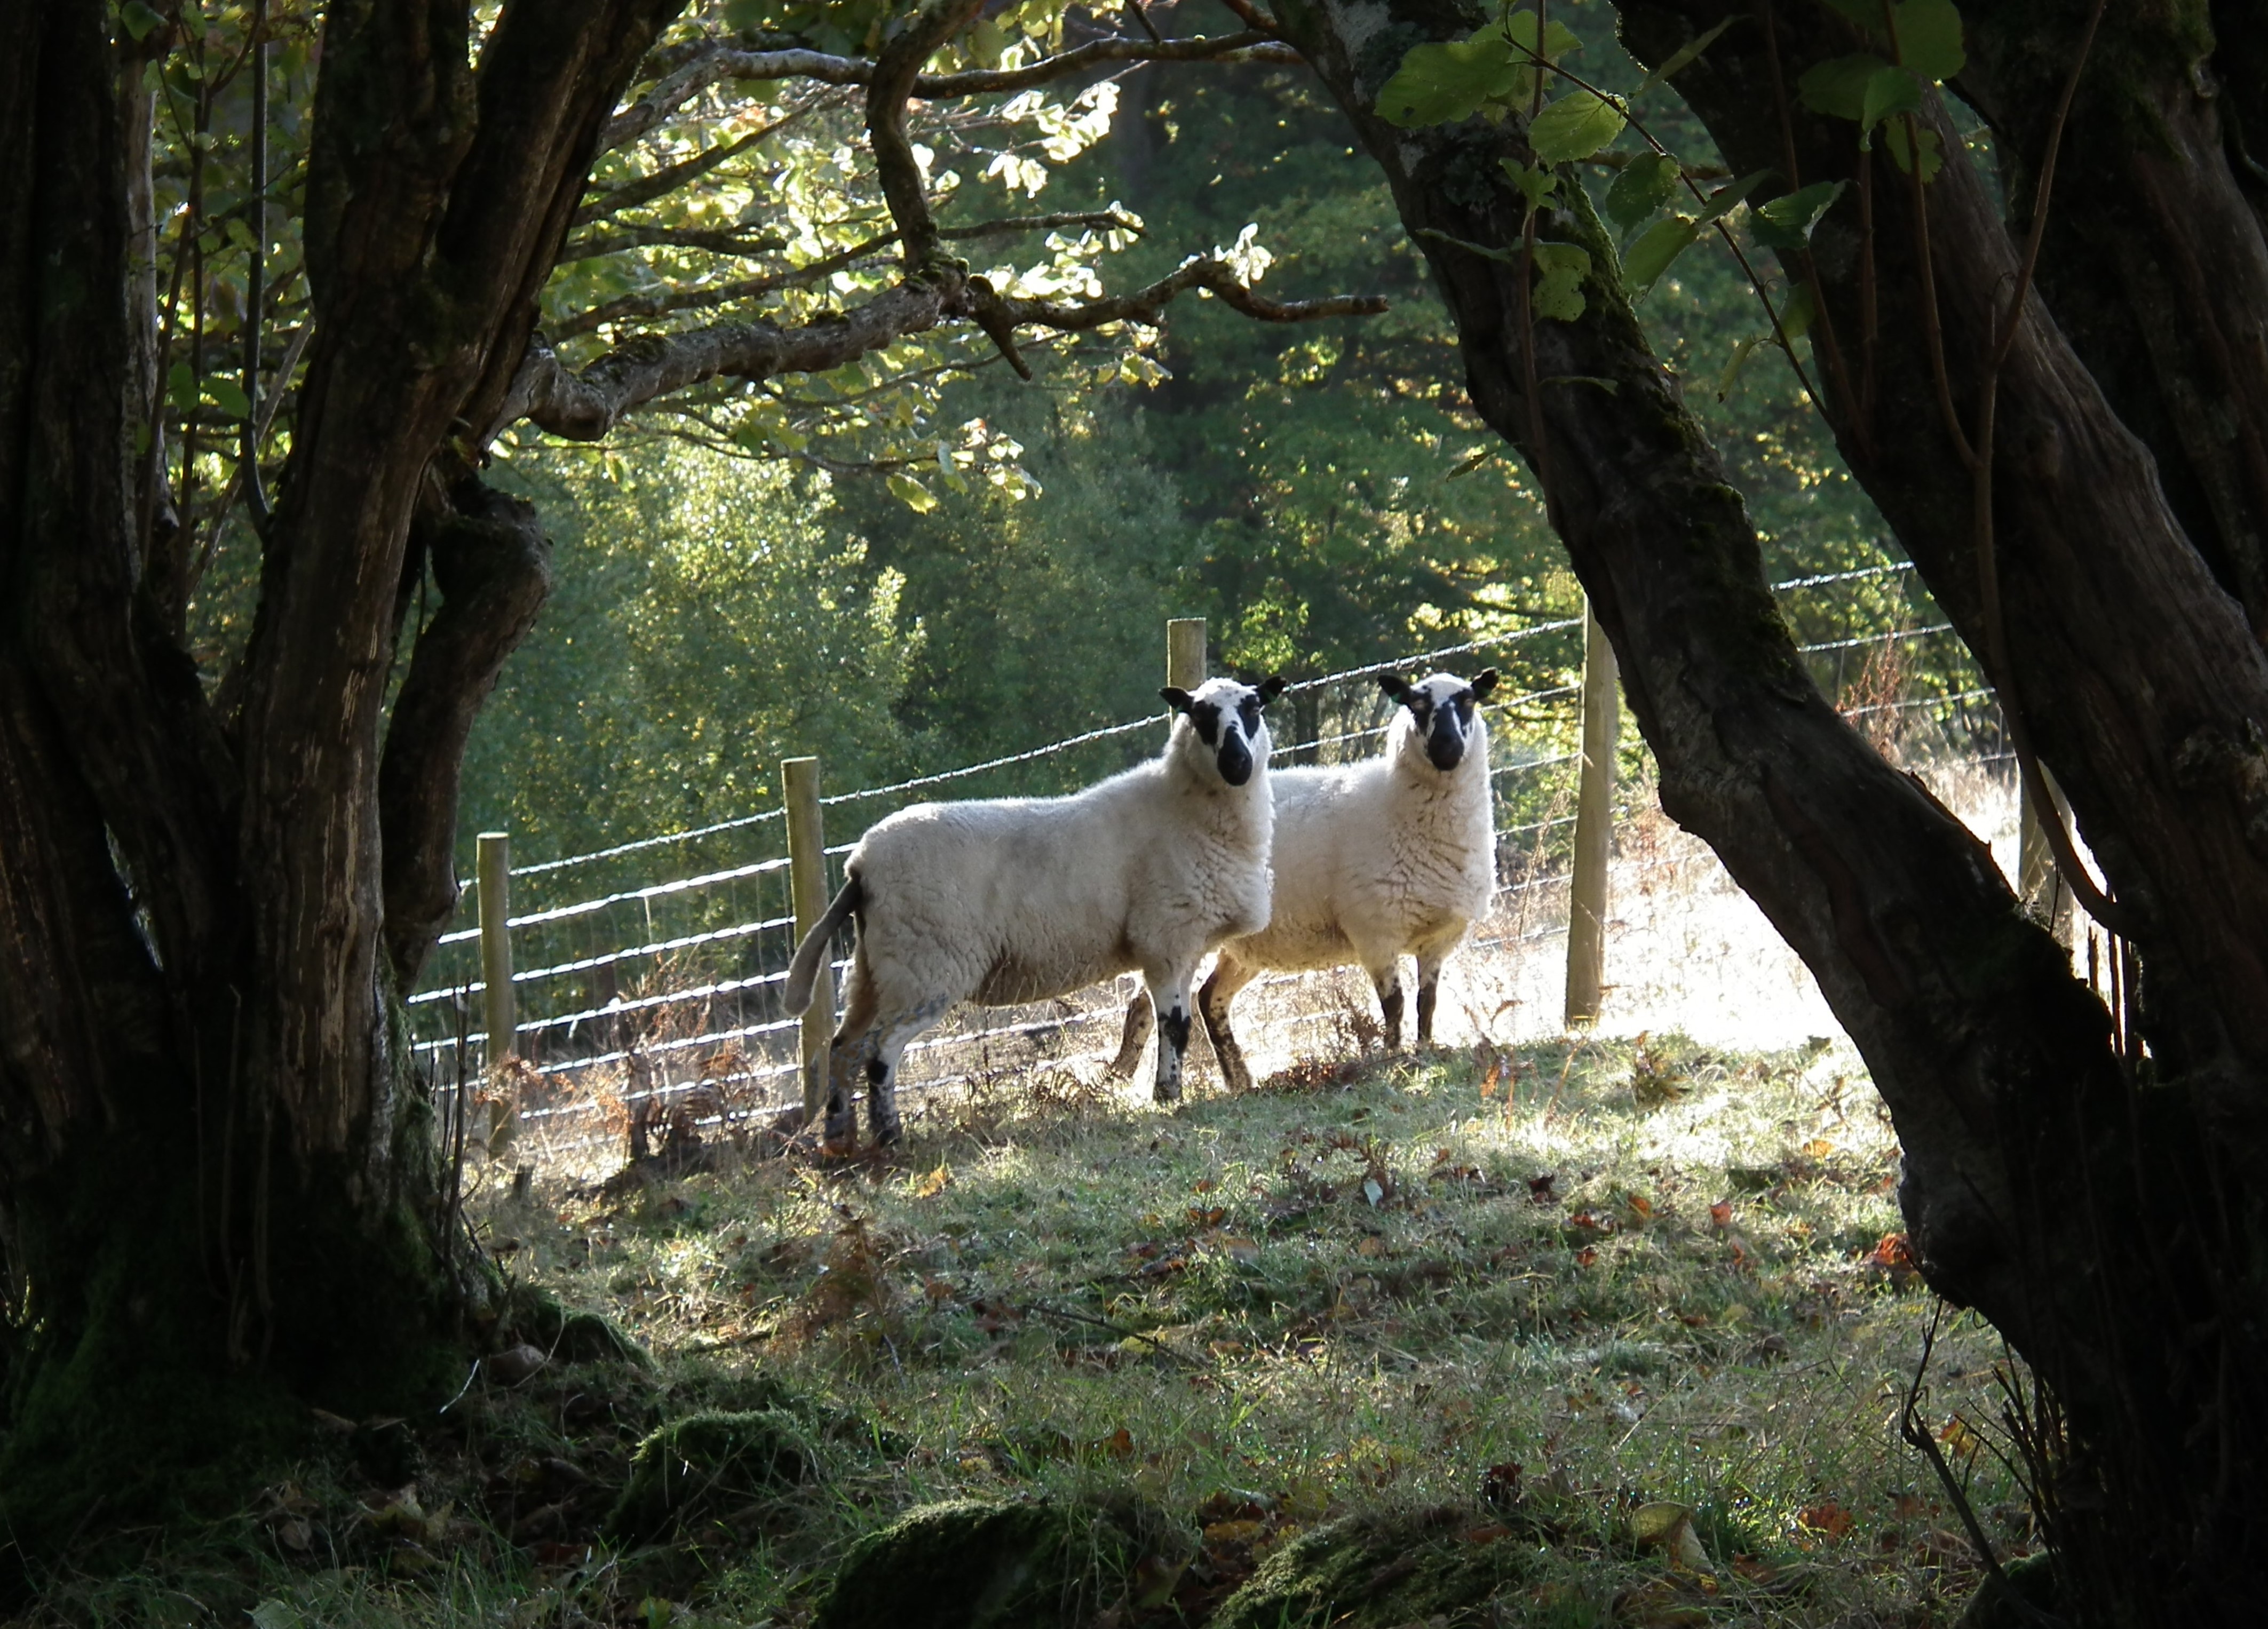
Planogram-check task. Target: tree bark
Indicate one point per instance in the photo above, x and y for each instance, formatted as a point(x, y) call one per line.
point(216, 1182)
point(2040, 1185)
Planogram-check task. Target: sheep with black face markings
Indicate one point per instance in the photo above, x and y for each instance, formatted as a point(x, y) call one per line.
point(1394, 856)
point(1020, 899)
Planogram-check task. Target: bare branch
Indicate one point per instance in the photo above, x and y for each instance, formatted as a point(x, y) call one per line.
point(669, 178)
point(719, 62)
point(1249, 47)
point(904, 187)
point(637, 307)
point(668, 238)
point(1146, 306)
point(1100, 220)
point(585, 406)
point(715, 65)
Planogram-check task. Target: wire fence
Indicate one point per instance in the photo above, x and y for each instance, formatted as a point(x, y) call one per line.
point(640, 1000)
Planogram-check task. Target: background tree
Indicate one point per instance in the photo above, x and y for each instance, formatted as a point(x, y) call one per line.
point(218, 876)
point(2068, 468)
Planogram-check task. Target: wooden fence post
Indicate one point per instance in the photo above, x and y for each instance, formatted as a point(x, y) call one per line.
point(495, 885)
point(1595, 835)
point(1185, 652)
point(807, 862)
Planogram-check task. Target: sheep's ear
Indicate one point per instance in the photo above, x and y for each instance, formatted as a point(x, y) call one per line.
point(1271, 688)
point(1483, 684)
point(1395, 685)
point(1177, 698)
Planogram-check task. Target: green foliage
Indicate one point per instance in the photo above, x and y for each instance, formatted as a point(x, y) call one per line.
point(703, 624)
point(1574, 126)
point(1492, 69)
point(1640, 188)
point(1656, 250)
point(1785, 223)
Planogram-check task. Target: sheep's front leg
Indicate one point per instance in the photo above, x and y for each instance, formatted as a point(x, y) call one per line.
point(1387, 980)
point(1141, 1018)
point(1169, 994)
point(1429, 987)
point(1228, 976)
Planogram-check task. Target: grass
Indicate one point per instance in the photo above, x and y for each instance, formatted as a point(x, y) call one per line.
point(1553, 1285)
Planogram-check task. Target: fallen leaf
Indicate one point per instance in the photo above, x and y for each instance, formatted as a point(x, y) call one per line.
point(1206, 1185)
point(1119, 1445)
point(1826, 1517)
point(1720, 1215)
point(933, 1184)
point(1668, 1526)
point(1818, 1148)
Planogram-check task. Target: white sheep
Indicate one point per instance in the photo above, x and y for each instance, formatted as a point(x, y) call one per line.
point(1393, 856)
point(1022, 899)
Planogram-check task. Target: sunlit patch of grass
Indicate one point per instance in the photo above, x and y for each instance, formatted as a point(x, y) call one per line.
point(1636, 1269)
point(1538, 1289)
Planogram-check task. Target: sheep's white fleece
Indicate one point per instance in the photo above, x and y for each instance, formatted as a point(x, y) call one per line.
point(1018, 900)
point(1376, 858)
point(1372, 861)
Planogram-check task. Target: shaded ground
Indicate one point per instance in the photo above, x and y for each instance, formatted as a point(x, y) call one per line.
point(1449, 1340)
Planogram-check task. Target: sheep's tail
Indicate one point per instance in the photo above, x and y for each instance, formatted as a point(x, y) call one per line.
point(811, 955)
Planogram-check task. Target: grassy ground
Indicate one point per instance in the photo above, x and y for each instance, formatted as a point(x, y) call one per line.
point(1522, 1297)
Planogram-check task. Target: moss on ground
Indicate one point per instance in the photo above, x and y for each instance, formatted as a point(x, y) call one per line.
point(976, 1564)
point(1381, 1571)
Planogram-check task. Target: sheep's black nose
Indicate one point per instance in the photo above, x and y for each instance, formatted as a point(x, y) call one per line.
point(1445, 749)
point(1235, 761)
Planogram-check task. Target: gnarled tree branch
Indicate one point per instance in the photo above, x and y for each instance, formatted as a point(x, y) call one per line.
point(719, 62)
point(585, 406)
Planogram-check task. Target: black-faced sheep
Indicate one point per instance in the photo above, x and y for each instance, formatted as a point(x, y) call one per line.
point(1019, 900)
point(1393, 856)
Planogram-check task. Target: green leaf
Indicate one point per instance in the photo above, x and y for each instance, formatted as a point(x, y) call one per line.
point(1838, 87)
point(1929, 38)
point(1785, 223)
point(229, 397)
point(1574, 127)
point(988, 43)
point(912, 494)
point(1657, 246)
point(1891, 92)
point(1682, 57)
point(1452, 80)
point(1728, 198)
point(1446, 83)
point(1741, 352)
point(1469, 463)
point(1559, 293)
point(1893, 135)
point(1536, 184)
point(139, 19)
point(1798, 313)
point(182, 387)
point(1645, 184)
point(1520, 28)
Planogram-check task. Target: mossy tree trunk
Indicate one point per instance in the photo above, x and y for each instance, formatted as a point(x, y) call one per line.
point(2103, 1208)
point(214, 1187)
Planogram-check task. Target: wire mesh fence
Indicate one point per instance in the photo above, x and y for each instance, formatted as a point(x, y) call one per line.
point(650, 974)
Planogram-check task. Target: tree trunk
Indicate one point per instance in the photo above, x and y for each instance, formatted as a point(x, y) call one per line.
point(216, 1190)
point(2097, 1207)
